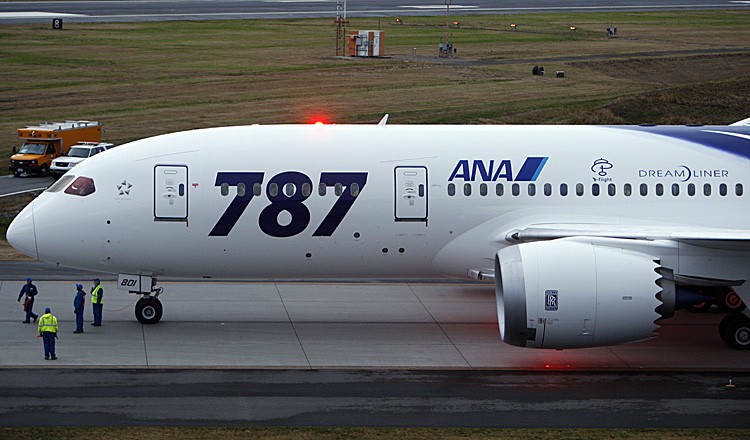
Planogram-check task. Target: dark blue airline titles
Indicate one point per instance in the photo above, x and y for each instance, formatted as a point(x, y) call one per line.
point(470, 170)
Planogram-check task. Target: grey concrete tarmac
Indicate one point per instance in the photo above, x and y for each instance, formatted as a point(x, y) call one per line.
point(308, 325)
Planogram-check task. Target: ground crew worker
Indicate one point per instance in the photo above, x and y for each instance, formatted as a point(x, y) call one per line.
point(28, 289)
point(78, 304)
point(48, 332)
point(97, 295)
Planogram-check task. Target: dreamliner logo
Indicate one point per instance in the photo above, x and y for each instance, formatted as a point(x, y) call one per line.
point(684, 173)
point(471, 170)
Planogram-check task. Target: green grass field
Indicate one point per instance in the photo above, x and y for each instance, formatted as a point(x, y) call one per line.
point(143, 79)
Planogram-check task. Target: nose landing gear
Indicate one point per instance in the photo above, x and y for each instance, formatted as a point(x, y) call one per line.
point(148, 309)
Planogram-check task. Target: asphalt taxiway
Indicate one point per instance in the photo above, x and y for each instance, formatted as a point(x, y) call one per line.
point(309, 325)
point(383, 398)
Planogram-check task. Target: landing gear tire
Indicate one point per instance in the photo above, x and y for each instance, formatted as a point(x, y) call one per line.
point(723, 325)
point(735, 331)
point(148, 310)
point(730, 302)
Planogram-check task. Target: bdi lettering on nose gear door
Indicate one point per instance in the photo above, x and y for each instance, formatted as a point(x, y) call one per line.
point(170, 192)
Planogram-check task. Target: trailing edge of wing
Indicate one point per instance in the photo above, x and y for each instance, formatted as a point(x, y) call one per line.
point(708, 236)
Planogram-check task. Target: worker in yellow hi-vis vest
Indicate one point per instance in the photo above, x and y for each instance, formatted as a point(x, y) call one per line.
point(48, 332)
point(97, 298)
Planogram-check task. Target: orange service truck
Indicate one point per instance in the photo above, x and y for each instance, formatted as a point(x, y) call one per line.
point(44, 142)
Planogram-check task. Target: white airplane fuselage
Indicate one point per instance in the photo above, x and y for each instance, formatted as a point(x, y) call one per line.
point(343, 201)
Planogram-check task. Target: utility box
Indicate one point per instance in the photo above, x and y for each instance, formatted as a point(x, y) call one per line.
point(366, 44)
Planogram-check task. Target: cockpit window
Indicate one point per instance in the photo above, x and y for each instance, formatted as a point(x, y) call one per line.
point(82, 186)
point(60, 184)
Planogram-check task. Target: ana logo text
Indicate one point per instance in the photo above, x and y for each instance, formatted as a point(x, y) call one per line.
point(489, 171)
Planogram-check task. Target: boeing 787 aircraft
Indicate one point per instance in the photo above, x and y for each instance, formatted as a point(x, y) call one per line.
point(591, 234)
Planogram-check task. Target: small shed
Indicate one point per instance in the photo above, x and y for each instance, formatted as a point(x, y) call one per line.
point(366, 44)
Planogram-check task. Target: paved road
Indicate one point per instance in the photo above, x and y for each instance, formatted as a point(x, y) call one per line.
point(164, 10)
point(75, 397)
point(10, 185)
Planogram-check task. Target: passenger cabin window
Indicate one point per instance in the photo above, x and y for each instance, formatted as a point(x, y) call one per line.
point(738, 189)
point(564, 189)
point(483, 189)
point(353, 189)
point(675, 189)
point(611, 189)
point(644, 189)
point(467, 189)
point(451, 189)
point(532, 189)
point(290, 189)
point(595, 190)
point(723, 189)
point(322, 189)
point(691, 189)
point(273, 190)
point(240, 190)
point(516, 189)
point(659, 189)
point(579, 189)
point(627, 189)
point(547, 189)
point(499, 189)
point(707, 189)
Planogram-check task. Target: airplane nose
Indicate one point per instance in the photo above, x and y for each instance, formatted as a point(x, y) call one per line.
point(21, 234)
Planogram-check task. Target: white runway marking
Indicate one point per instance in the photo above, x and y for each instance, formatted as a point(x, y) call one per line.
point(439, 7)
point(36, 14)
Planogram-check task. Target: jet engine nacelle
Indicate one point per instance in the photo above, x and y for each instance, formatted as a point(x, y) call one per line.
point(569, 293)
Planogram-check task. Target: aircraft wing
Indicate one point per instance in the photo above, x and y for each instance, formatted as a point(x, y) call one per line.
point(710, 237)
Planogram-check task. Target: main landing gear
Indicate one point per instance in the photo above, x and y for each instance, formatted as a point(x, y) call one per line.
point(734, 328)
point(148, 309)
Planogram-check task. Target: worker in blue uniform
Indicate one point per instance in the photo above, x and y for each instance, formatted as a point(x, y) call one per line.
point(97, 298)
point(78, 304)
point(48, 332)
point(28, 289)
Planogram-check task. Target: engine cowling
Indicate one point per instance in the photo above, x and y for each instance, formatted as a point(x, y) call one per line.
point(570, 293)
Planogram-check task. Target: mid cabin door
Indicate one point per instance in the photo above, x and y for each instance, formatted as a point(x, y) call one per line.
point(410, 193)
point(170, 192)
